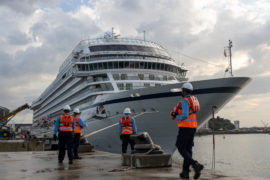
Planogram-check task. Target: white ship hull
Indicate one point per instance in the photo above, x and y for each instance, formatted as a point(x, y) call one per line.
point(154, 105)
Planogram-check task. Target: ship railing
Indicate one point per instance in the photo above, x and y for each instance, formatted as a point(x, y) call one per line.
point(70, 92)
point(98, 41)
point(120, 58)
point(62, 90)
point(85, 84)
point(78, 99)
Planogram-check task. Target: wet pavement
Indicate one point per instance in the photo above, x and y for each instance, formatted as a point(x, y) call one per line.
point(94, 165)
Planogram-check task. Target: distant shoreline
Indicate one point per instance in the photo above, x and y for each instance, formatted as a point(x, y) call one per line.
point(229, 132)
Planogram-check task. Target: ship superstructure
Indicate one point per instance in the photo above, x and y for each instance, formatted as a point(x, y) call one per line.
point(103, 66)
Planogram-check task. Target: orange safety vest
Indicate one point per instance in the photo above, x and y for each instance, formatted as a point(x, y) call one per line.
point(191, 121)
point(66, 122)
point(126, 125)
point(78, 127)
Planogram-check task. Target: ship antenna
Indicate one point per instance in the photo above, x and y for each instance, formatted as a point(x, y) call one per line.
point(144, 35)
point(112, 33)
point(229, 48)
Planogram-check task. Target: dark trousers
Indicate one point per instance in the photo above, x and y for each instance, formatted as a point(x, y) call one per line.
point(76, 144)
point(125, 141)
point(184, 144)
point(65, 141)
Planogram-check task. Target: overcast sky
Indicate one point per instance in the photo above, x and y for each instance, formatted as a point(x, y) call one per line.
point(37, 35)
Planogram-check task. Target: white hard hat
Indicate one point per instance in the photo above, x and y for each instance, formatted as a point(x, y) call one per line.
point(188, 86)
point(67, 108)
point(127, 111)
point(77, 111)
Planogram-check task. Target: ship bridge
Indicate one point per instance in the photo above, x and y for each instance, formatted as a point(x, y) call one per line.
point(127, 59)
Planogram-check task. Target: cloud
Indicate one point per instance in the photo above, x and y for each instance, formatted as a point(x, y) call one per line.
point(26, 7)
point(39, 35)
point(250, 110)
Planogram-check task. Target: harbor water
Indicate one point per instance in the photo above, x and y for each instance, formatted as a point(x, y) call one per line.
point(235, 154)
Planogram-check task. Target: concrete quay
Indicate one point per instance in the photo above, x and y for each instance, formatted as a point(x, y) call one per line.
point(94, 165)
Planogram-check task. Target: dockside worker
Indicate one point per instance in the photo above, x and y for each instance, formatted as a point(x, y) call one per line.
point(79, 125)
point(126, 128)
point(185, 113)
point(65, 126)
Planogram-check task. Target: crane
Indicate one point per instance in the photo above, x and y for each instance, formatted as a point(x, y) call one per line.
point(265, 129)
point(4, 120)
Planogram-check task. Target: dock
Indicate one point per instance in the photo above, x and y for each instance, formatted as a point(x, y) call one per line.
point(94, 165)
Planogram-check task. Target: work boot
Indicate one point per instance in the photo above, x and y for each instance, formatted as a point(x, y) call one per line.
point(184, 175)
point(77, 157)
point(70, 162)
point(60, 161)
point(197, 168)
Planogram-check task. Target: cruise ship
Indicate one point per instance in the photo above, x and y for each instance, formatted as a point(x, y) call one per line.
point(103, 76)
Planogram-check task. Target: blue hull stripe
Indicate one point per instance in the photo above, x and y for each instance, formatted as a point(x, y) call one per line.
point(168, 94)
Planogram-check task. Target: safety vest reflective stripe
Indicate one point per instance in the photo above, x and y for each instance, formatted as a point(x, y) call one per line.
point(190, 120)
point(66, 123)
point(127, 131)
point(65, 128)
point(78, 128)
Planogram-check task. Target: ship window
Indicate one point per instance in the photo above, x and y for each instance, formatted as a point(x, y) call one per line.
point(100, 77)
point(90, 79)
point(126, 64)
point(171, 78)
point(173, 69)
point(95, 66)
point(166, 67)
point(91, 67)
point(123, 76)
point(154, 65)
point(116, 47)
point(106, 87)
point(83, 67)
point(151, 77)
point(131, 64)
point(79, 67)
point(63, 77)
point(110, 65)
point(87, 67)
point(116, 76)
point(170, 68)
point(120, 86)
point(158, 66)
point(149, 65)
point(161, 66)
point(158, 78)
point(115, 65)
point(141, 76)
point(129, 86)
point(137, 65)
point(165, 78)
point(105, 65)
point(121, 65)
point(157, 84)
point(141, 65)
point(146, 85)
point(100, 66)
point(145, 65)
point(122, 56)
